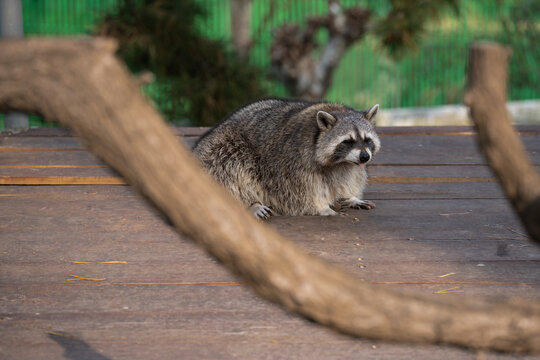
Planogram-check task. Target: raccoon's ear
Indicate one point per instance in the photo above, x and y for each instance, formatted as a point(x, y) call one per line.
point(325, 120)
point(370, 114)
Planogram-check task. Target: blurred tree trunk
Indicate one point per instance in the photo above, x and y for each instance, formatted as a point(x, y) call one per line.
point(240, 26)
point(11, 26)
point(486, 96)
point(292, 53)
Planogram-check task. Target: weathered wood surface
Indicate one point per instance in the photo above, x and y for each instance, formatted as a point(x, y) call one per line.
point(163, 297)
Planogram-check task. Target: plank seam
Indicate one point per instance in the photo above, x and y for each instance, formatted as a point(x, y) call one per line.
point(95, 180)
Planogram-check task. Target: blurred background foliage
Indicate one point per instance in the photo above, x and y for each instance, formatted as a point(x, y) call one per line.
point(521, 31)
point(199, 78)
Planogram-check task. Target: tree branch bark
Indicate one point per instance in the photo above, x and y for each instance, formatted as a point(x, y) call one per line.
point(486, 97)
point(81, 84)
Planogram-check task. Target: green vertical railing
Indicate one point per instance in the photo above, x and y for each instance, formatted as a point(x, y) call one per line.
point(432, 75)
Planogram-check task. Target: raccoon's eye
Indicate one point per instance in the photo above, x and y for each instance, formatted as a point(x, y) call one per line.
point(367, 140)
point(348, 141)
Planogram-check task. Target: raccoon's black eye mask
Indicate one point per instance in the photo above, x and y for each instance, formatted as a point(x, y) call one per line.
point(343, 149)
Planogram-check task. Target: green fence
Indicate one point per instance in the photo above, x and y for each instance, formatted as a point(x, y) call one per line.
point(432, 75)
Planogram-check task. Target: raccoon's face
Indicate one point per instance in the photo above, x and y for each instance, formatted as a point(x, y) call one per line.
point(346, 137)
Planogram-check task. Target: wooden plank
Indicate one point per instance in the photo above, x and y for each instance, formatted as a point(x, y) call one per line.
point(403, 130)
point(414, 140)
point(106, 180)
point(381, 191)
point(381, 170)
point(52, 193)
point(377, 235)
point(100, 231)
point(447, 130)
point(374, 191)
point(42, 131)
point(180, 347)
point(62, 251)
point(495, 215)
point(447, 171)
point(48, 158)
point(401, 150)
point(418, 219)
point(202, 271)
point(86, 174)
point(438, 139)
point(427, 179)
point(181, 309)
point(175, 315)
point(64, 143)
point(197, 131)
point(82, 297)
point(44, 171)
point(112, 226)
point(435, 149)
point(60, 180)
point(378, 174)
point(100, 174)
point(181, 301)
point(406, 191)
point(197, 335)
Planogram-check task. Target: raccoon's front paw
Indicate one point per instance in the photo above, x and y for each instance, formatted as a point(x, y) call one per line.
point(260, 211)
point(356, 203)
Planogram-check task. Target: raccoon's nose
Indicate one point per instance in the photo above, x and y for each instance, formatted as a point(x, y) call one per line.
point(364, 157)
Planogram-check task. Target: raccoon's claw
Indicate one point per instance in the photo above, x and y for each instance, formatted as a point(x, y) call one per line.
point(366, 205)
point(359, 204)
point(261, 211)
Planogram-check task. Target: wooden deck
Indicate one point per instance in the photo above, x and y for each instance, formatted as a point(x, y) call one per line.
point(89, 271)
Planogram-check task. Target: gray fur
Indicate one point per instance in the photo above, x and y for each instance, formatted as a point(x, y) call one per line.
point(288, 156)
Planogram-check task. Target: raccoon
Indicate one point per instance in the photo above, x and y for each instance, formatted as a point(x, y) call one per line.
point(292, 157)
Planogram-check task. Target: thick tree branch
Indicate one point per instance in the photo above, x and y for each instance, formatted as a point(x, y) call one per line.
point(486, 97)
point(81, 84)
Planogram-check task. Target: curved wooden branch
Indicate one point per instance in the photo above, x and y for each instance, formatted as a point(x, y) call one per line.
point(486, 97)
point(82, 84)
